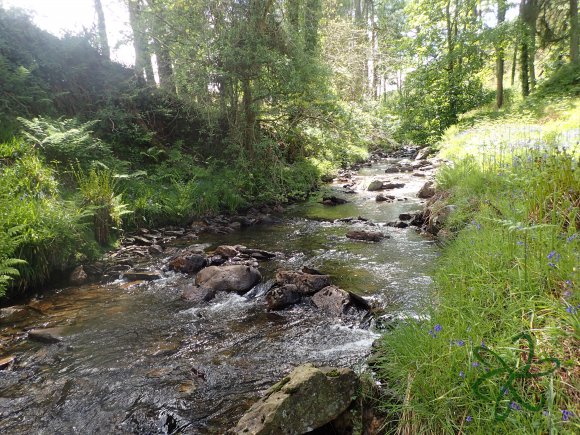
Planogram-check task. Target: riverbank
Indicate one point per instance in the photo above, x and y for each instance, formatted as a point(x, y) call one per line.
point(497, 352)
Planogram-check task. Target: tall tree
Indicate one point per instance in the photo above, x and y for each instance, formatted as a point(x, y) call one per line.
point(143, 65)
point(103, 40)
point(500, 53)
point(574, 32)
point(529, 12)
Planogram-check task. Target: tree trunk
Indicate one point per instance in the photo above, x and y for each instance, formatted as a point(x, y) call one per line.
point(311, 21)
point(143, 65)
point(499, 63)
point(574, 32)
point(357, 11)
point(529, 12)
point(249, 116)
point(103, 40)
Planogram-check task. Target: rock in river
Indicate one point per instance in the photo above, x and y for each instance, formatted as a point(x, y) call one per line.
point(337, 301)
point(282, 297)
point(46, 335)
point(237, 278)
point(306, 399)
point(189, 263)
point(427, 191)
point(305, 283)
point(198, 294)
point(375, 185)
point(368, 236)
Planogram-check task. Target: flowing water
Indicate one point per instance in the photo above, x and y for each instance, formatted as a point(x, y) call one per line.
point(138, 359)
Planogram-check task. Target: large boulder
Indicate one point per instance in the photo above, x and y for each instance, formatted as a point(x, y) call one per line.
point(337, 301)
point(305, 283)
point(305, 400)
point(236, 278)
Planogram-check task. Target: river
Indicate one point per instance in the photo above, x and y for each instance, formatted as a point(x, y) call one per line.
point(139, 359)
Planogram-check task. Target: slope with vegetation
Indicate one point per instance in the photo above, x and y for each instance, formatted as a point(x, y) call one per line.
point(507, 283)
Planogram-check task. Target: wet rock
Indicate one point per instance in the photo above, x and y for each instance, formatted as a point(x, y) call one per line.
point(237, 278)
point(282, 297)
point(419, 174)
point(155, 250)
point(13, 314)
point(258, 254)
point(368, 236)
point(188, 263)
point(393, 169)
point(405, 216)
point(235, 226)
point(382, 198)
point(141, 240)
point(311, 271)
point(216, 260)
point(338, 302)
point(78, 276)
point(427, 191)
point(418, 220)
point(306, 283)
point(397, 224)
point(424, 153)
point(46, 335)
point(389, 186)
point(333, 200)
point(198, 294)
point(226, 251)
point(6, 362)
point(326, 178)
point(306, 399)
point(375, 185)
point(141, 275)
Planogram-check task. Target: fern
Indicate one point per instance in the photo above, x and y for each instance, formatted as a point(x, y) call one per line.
point(8, 272)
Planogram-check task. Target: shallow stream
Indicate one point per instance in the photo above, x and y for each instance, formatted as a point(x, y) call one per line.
point(138, 359)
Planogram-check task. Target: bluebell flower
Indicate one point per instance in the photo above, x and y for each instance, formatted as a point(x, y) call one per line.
point(572, 237)
point(566, 415)
point(554, 256)
point(469, 419)
point(475, 364)
point(515, 406)
point(438, 327)
point(572, 310)
point(460, 343)
point(432, 334)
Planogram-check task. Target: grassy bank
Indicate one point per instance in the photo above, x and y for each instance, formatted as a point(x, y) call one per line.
point(511, 269)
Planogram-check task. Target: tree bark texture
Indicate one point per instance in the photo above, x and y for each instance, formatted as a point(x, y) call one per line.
point(103, 39)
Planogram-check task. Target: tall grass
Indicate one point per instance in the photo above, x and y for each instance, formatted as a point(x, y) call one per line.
point(512, 268)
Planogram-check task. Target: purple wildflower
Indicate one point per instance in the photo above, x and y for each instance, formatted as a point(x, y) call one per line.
point(483, 344)
point(461, 374)
point(460, 343)
point(572, 237)
point(520, 243)
point(475, 364)
point(432, 334)
point(571, 310)
point(566, 415)
point(515, 406)
point(554, 256)
point(469, 419)
point(438, 327)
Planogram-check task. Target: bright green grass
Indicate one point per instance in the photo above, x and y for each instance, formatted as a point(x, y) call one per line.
point(512, 268)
